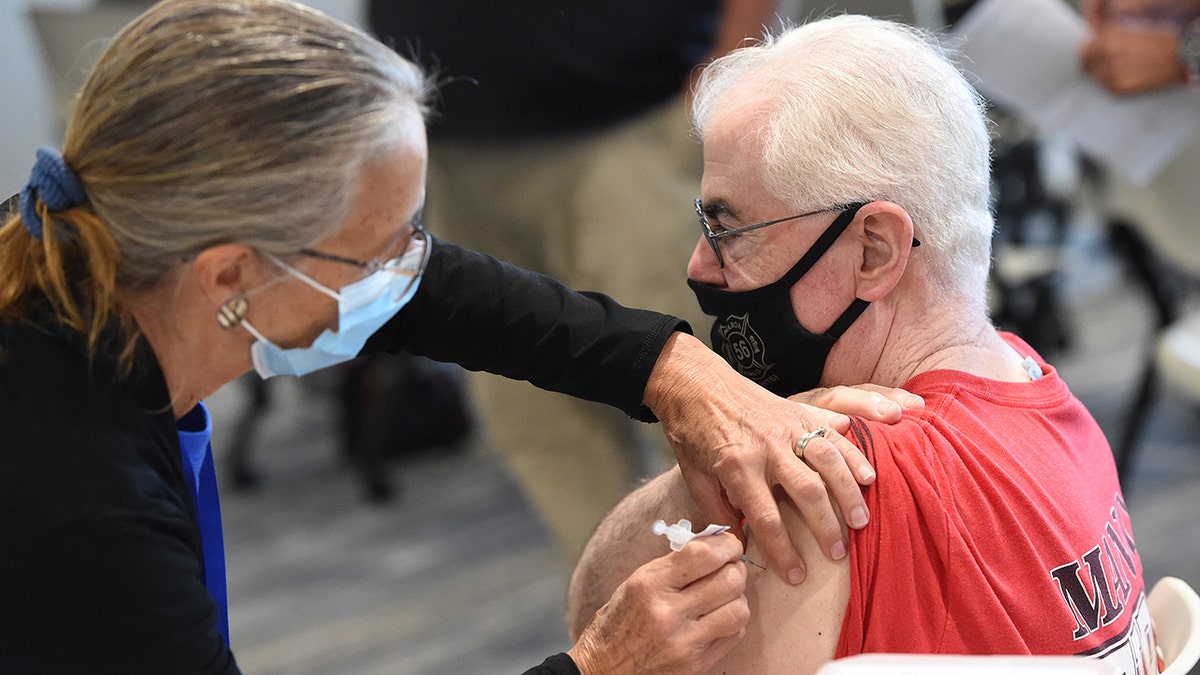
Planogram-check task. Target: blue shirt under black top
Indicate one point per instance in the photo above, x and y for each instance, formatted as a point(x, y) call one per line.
point(195, 434)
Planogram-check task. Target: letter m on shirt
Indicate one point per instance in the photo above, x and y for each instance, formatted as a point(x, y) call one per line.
point(1094, 609)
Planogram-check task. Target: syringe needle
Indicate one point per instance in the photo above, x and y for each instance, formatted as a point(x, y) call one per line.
point(751, 562)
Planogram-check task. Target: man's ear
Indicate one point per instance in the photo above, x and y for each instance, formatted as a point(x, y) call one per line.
point(886, 236)
point(224, 271)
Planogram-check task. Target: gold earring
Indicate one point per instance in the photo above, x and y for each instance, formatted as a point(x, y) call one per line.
point(232, 311)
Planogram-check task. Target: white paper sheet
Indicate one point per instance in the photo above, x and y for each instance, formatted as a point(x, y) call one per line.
point(1024, 55)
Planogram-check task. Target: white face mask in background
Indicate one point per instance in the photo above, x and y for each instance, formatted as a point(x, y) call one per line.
point(363, 308)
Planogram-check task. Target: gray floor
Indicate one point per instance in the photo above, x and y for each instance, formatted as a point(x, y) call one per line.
point(458, 576)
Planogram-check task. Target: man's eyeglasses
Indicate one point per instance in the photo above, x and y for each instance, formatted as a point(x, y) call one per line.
point(713, 236)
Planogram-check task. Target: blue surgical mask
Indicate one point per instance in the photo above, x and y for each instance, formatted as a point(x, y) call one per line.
point(363, 308)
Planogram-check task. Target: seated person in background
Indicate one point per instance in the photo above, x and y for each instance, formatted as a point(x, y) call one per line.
point(997, 522)
point(1136, 46)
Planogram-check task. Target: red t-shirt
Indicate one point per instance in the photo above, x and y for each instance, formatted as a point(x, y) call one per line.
point(997, 527)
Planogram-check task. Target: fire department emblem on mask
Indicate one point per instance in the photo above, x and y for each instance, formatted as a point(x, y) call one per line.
point(742, 347)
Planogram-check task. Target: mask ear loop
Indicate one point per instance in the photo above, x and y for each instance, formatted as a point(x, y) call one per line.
point(848, 317)
point(292, 271)
point(254, 331)
point(233, 311)
point(313, 283)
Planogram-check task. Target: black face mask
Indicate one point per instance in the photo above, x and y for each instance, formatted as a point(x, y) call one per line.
point(757, 332)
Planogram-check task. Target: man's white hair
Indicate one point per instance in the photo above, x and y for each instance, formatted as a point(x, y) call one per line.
point(856, 108)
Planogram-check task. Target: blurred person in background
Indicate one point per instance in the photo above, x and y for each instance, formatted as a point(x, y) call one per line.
point(1138, 46)
point(561, 146)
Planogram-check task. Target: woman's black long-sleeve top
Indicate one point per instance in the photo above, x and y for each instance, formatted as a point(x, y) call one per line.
point(100, 560)
point(478, 312)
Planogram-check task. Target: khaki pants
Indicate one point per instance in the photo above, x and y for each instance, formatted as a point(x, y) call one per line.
point(609, 212)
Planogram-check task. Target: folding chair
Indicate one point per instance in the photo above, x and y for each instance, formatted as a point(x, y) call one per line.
point(1175, 610)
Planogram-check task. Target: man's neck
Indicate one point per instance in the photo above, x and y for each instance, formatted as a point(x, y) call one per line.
point(976, 349)
point(949, 334)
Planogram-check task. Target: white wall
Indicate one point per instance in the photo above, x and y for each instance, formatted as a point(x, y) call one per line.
point(28, 117)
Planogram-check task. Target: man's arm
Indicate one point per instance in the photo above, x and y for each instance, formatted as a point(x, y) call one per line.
point(623, 542)
point(794, 629)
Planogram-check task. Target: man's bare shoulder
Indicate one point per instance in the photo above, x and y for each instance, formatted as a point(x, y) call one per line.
point(793, 629)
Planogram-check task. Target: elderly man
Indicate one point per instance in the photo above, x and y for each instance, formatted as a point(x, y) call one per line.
point(847, 239)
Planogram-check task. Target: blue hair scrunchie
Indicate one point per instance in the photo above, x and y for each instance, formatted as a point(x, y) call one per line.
point(55, 183)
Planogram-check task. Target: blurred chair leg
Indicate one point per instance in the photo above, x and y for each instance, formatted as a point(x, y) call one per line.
point(239, 466)
point(1154, 276)
point(363, 424)
point(1135, 421)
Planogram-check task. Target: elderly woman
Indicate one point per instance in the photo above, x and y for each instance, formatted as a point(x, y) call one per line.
point(241, 187)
